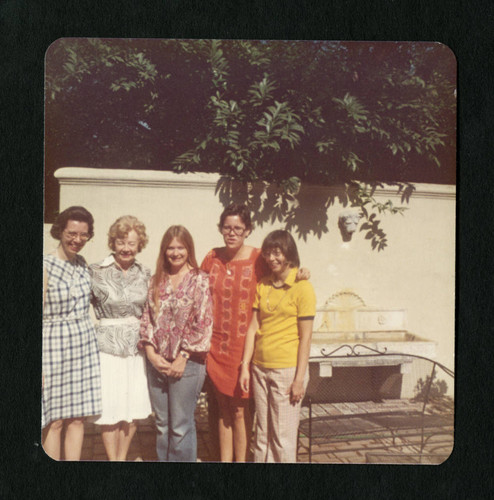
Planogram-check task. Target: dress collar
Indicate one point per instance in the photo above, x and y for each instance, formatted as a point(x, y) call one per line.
point(108, 261)
point(290, 279)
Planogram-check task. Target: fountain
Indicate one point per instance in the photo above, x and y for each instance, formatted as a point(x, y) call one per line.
point(345, 319)
point(342, 326)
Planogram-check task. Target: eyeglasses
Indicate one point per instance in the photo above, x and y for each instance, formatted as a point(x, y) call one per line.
point(73, 235)
point(236, 229)
point(275, 252)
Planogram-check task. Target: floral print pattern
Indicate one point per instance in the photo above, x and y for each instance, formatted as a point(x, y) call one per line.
point(184, 320)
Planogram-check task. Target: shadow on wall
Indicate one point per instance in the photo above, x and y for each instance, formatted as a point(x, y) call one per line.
point(303, 209)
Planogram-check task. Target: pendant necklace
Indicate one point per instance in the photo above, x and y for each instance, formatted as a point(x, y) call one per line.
point(268, 307)
point(238, 256)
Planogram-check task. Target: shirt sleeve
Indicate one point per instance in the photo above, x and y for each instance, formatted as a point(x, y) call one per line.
point(207, 262)
point(257, 298)
point(198, 336)
point(147, 274)
point(146, 331)
point(93, 274)
point(91, 277)
point(306, 304)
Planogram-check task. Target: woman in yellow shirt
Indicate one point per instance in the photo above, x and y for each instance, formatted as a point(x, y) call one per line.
point(278, 344)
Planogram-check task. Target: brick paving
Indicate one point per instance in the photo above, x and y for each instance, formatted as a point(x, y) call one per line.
point(404, 448)
point(143, 446)
point(383, 450)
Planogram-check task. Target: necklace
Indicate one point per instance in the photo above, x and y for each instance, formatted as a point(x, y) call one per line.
point(268, 306)
point(241, 254)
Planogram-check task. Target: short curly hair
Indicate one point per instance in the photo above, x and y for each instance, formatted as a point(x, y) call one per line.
point(123, 226)
point(235, 209)
point(79, 214)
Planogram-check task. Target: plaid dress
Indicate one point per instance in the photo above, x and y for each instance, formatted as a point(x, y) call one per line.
point(71, 369)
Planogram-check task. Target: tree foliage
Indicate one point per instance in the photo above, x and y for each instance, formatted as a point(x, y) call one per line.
point(275, 114)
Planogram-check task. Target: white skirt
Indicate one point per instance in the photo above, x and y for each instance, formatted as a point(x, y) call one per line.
point(124, 389)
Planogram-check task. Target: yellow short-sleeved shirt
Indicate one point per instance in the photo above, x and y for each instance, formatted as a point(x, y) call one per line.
point(277, 339)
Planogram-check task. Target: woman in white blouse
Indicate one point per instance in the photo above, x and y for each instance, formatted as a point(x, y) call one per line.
point(119, 286)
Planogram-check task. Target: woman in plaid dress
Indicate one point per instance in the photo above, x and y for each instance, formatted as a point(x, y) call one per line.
point(71, 370)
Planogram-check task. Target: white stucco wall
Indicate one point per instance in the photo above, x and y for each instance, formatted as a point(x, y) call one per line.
point(416, 272)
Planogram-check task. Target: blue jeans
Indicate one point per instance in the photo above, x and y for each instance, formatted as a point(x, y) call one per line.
point(174, 402)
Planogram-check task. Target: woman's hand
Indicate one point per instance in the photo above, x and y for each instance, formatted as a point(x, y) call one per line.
point(244, 379)
point(159, 363)
point(177, 367)
point(303, 274)
point(296, 391)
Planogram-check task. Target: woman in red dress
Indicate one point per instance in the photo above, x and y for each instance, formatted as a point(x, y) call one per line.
point(234, 271)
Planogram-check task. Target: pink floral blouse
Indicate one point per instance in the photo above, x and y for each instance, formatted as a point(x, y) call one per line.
point(185, 317)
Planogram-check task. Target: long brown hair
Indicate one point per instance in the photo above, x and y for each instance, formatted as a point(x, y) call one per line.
point(163, 266)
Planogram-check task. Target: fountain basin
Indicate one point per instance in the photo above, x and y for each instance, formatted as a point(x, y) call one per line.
point(386, 341)
point(348, 374)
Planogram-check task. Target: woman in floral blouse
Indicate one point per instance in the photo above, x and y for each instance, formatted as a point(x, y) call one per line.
point(176, 329)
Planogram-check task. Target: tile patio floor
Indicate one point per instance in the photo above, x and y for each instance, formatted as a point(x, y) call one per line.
point(355, 452)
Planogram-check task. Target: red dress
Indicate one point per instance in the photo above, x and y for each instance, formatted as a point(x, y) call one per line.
point(233, 286)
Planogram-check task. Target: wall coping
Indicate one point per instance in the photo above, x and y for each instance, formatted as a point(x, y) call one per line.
point(138, 178)
point(201, 180)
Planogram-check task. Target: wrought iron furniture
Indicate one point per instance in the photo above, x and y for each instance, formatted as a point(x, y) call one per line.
point(394, 401)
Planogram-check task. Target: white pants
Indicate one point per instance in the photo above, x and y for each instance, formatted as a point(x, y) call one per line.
point(276, 418)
